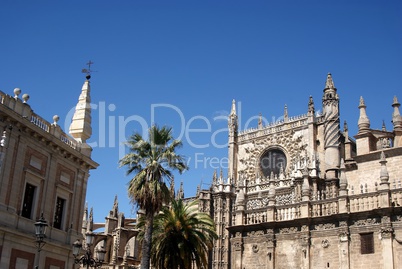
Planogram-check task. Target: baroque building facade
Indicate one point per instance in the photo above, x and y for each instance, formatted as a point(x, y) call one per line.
point(302, 193)
point(43, 172)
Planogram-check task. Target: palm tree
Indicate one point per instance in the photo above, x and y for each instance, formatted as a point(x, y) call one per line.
point(182, 237)
point(152, 161)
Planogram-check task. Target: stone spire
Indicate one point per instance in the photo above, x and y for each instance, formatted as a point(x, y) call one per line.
point(80, 127)
point(383, 128)
point(384, 171)
point(215, 178)
point(115, 210)
point(180, 193)
point(346, 131)
point(232, 143)
point(285, 114)
point(311, 109)
point(172, 191)
point(233, 121)
point(260, 121)
point(90, 223)
point(364, 122)
point(305, 185)
point(85, 219)
point(397, 122)
point(343, 183)
point(332, 129)
point(396, 116)
point(329, 84)
point(233, 110)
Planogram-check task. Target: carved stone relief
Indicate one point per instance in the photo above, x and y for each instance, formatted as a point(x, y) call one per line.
point(249, 162)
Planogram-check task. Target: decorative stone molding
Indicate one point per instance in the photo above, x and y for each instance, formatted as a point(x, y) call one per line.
point(284, 140)
point(304, 228)
point(386, 232)
point(385, 219)
point(343, 237)
point(343, 223)
point(237, 245)
point(325, 243)
point(255, 248)
point(365, 222)
point(288, 230)
point(271, 242)
point(324, 226)
point(285, 199)
point(255, 233)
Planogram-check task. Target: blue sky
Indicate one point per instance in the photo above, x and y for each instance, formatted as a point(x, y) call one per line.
point(180, 63)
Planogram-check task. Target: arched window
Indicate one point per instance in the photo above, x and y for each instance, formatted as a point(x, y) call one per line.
point(272, 161)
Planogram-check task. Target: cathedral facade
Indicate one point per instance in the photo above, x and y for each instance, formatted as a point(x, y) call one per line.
point(302, 193)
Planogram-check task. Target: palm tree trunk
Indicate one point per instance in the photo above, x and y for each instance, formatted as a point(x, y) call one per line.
point(146, 244)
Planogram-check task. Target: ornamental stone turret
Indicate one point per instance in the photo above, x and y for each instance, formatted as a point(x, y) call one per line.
point(384, 197)
point(233, 129)
point(397, 122)
point(285, 114)
point(80, 127)
point(330, 103)
point(363, 144)
point(384, 176)
point(364, 122)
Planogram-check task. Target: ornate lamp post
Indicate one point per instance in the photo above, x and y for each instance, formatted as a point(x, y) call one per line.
point(40, 233)
point(87, 259)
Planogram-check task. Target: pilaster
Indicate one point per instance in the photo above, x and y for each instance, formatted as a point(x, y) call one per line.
point(344, 251)
point(386, 236)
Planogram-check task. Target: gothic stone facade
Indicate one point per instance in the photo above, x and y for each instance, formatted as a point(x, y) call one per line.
point(301, 193)
point(45, 171)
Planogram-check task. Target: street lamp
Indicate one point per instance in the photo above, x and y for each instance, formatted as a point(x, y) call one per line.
point(40, 233)
point(87, 259)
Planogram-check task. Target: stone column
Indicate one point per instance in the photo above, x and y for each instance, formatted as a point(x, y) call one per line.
point(237, 250)
point(386, 236)
point(304, 208)
point(270, 249)
point(344, 252)
point(305, 247)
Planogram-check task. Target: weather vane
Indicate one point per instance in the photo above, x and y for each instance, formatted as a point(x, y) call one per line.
point(88, 71)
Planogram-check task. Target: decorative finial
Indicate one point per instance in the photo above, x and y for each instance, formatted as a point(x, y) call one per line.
point(88, 71)
point(17, 92)
point(329, 84)
point(361, 102)
point(311, 109)
point(214, 178)
point(345, 126)
point(396, 115)
point(285, 114)
point(363, 122)
point(343, 183)
point(25, 97)
point(55, 119)
point(233, 110)
point(180, 194)
point(260, 121)
point(383, 126)
point(384, 171)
